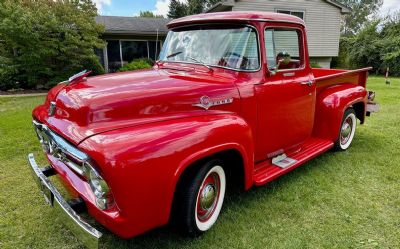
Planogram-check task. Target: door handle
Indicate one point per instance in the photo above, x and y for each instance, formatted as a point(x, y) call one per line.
point(308, 83)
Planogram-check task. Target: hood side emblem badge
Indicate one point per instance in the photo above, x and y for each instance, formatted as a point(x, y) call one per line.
point(206, 102)
point(52, 108)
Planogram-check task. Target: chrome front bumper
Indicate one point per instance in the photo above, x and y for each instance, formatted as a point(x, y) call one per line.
point(82, 230)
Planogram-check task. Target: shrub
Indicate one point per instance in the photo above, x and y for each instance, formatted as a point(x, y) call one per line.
point(45, 41)
point(315, 64)
point(376, 45)
point(136, 65)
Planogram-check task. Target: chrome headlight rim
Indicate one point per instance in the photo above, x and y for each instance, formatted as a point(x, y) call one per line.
point(99, 187)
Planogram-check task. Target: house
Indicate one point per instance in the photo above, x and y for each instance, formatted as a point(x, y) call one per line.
point(130, 38)
point(322, 18)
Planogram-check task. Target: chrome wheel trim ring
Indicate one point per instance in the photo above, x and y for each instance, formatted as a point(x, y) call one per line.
point(209, 203)
point(208, 197)
point(347, 131)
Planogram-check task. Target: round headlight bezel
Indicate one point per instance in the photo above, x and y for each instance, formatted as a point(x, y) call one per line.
point(99, 187)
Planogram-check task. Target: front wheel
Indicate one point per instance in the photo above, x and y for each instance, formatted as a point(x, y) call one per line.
point(347, 130)
point(202, 198)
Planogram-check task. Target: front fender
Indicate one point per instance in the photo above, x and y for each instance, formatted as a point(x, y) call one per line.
point(330, 106)
point(142, 164)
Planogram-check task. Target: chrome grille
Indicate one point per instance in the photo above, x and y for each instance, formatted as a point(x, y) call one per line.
point(61, 149)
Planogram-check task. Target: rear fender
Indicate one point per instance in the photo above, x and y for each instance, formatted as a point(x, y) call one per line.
point(330, 106)
point(143, 164)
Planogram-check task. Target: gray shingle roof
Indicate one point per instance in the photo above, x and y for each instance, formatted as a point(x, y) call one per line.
point(133, 25)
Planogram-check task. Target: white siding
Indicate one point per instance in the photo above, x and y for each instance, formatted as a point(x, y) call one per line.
point(322, 20)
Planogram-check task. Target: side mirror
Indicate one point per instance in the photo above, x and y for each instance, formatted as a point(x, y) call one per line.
point(273, 70)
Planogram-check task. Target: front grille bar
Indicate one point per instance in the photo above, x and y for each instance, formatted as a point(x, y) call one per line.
point(58, 147)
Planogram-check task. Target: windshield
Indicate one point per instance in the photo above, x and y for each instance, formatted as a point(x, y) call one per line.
point(234, 47)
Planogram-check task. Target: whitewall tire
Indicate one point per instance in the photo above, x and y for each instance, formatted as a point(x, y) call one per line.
point(201, 198)
point(210, 198)
point(347, 130)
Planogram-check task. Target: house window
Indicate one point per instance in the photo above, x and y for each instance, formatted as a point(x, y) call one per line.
point(297, 13)
point(154, 49)
point(113, 55)
point(121, 52)
point(133, 50)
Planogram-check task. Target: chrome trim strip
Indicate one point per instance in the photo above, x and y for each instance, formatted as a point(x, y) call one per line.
point(68, 148)
point(60, 148)
point(73, 166)
point(85, 232)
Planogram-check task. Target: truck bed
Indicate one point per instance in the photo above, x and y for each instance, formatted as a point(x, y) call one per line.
point(328, 77)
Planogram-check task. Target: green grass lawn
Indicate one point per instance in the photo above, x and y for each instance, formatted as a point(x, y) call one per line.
point(338, 200)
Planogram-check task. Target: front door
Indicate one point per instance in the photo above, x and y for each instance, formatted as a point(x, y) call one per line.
point(286, 100)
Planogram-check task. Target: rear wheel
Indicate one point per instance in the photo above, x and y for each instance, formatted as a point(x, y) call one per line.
point(202, 198)
point(347, 130)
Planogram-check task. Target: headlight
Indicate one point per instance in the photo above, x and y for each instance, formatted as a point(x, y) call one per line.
point(101, 191)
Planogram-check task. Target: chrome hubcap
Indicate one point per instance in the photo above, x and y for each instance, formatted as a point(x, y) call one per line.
point(208, 197)
point(346, 130)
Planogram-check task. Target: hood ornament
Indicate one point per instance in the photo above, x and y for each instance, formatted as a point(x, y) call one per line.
point(206, 102)
point(77, 77)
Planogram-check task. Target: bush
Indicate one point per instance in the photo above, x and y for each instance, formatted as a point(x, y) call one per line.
point(136, 65)
point(376, 45)
point(43, 42)
point(315, 64)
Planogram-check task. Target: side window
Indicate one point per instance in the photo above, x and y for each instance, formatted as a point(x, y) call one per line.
point(283, 48)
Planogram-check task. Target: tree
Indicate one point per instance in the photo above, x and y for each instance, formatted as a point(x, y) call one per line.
point(179, 9)
point(149, 14)
point(362, 10)
point(46, 41)
point(376, 45)
point(209, 3)
point(194, 7)
point(176, 9)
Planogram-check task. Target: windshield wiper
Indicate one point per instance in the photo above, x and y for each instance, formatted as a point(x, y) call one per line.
point(202, 63)
point(174, 54)
point(193, 59)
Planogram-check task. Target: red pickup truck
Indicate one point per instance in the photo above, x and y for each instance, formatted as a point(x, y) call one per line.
point(232, 102)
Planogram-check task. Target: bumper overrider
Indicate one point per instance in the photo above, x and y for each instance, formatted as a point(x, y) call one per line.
point(80, 164)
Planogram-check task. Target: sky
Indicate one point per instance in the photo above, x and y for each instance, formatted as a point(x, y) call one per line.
point(132, 7)
point(390, 6)
point(160, 7)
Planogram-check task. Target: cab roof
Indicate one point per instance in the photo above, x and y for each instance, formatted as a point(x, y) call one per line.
point(235, 16)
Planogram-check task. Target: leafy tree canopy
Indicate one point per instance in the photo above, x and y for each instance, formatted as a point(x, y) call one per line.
point(176, 9)
point(43, 42)
point(149, 14)
point(376, 45)
point(179, 9)
point(362, 10)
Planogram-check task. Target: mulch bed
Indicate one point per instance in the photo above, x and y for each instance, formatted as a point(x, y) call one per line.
point(19, 92)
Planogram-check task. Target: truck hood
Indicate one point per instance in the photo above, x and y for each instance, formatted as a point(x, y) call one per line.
point(112, 101)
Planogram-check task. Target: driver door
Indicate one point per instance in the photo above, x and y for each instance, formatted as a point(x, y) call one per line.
point(286, 98)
